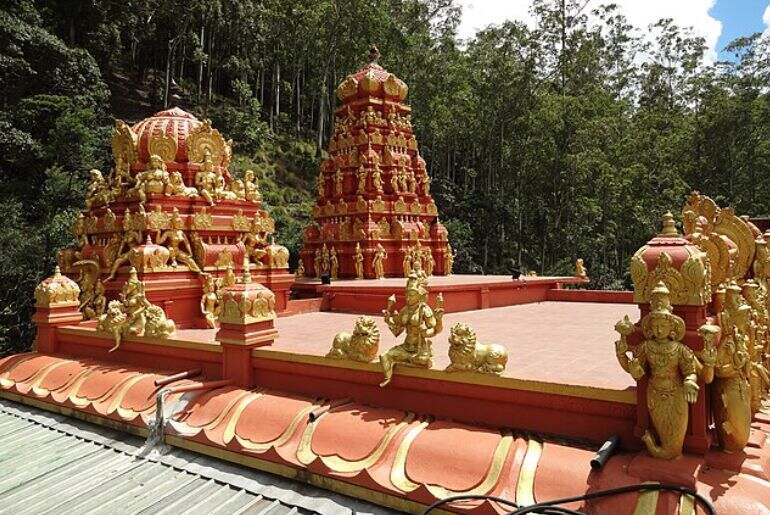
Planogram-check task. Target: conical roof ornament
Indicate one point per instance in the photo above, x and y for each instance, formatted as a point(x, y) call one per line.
point(669, 225)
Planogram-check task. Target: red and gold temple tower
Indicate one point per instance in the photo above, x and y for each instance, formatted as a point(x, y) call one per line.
point(374, 203)
point(172, 211)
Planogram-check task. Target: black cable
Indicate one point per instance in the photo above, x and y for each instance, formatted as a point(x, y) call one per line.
point(552, 508)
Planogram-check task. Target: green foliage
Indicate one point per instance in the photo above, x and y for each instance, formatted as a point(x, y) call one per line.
point(51, 132)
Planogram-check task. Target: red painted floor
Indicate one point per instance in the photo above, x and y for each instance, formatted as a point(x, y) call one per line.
point(562, 342)
point(557, 342)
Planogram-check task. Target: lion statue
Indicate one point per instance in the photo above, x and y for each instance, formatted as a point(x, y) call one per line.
point(466, 355)
point(114, 321)
point(362, 345)
point(158, 325)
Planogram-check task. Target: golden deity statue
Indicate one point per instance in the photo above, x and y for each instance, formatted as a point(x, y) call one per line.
point(427, 261)
point(210, 301)
point(359, 262)
point(154, 179)
point(98, 191)
point(334, 263)
point(131, 237)
point(255, 242)
point(449, 260)
point(580, 269)
point(251, 187)
point(325, 261)
point(424, 183)
point(177, 243)
point(378, 261)
point(206, 179)
point(361, 345)
point(731, 392)
point(338, 186)
point(134, 315)
point(363, 173)
point(418, 321)
point(467, 355)
point(377, 178)
point(670, 367)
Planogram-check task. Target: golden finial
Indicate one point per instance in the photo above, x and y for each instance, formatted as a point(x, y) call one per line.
point(57, 271)
point(669, 225)
point(374, 54)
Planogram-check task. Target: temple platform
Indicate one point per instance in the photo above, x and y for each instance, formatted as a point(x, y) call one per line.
point(562, 364)
point(460, 292)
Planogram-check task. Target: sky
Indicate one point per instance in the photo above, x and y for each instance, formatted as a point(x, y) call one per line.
point(718, 21)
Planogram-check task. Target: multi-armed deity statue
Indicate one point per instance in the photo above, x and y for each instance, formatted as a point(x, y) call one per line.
point(704, 302)
point(170, 223)
point(374, 204)
point(418, 320)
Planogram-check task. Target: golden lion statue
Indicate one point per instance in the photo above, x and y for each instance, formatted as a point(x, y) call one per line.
point(466, 355)
point(361, 346)
point(158, 325)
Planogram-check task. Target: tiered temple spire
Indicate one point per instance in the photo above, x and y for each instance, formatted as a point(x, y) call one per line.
point(374, 198)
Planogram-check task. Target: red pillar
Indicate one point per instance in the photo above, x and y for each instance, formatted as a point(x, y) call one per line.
point(246, 322)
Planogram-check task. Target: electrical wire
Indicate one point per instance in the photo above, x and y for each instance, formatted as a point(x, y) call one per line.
point(552, 507)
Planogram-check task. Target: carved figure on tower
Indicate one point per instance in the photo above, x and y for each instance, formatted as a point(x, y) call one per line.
point(359, 257)
point(206, 180)
point(378, 184)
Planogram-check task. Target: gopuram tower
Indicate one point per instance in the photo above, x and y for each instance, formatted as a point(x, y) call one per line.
point(374, 215)
point(171, 217)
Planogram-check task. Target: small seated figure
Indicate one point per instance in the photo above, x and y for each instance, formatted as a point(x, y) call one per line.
point(362, 345)
point(580, 269)
point(251, 187)
point(154, 179)
point(206, 179)
point(98, 191)
point(466, 355)
point(419, 321)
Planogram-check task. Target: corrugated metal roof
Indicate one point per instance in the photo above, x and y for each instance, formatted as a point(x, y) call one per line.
point(52, 464)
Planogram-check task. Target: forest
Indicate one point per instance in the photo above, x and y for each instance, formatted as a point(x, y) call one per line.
point(567, 138)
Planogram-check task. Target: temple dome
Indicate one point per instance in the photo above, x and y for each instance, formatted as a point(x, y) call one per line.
point(177, 136)
point(372, 81)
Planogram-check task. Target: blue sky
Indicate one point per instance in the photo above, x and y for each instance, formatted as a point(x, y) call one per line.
point(739, 18)
point(718, 21)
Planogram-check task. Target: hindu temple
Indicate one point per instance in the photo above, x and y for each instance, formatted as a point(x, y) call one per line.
point(176, 318)
point(374, 216)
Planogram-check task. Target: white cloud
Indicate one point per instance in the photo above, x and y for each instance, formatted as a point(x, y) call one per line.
point(477, 14)
point(766, 19)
